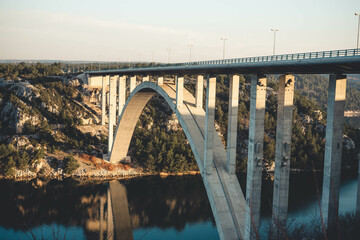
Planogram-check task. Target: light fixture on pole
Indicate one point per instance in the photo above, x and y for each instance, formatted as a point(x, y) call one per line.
point(224, 39)
point(190, 45)
point(357, 41)
point(169, 50)
point(274, 30)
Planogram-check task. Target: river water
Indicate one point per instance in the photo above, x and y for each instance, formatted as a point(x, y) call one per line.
point(140, 208)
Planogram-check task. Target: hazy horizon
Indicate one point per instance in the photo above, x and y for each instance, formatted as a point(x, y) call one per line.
point(144, 30)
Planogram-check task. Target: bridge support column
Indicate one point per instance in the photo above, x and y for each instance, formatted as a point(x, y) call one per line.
point(121, 94)
point(209, 125)
point(145, 79)
point(333, 149)
point(232, 124)
point(199, 91)
point(179, 81)
point(112, 112)
point(103, 99)
point(255, 156)
point(132, 84)
point(283, 150)
point(160, 81)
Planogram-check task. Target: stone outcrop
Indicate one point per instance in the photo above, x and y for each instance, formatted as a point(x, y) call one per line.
point(17, 117)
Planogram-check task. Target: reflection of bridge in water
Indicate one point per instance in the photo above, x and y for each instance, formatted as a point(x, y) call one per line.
point(114, 220)
point(237, 216)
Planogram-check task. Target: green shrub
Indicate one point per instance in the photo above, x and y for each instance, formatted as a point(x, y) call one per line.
point(71, 164)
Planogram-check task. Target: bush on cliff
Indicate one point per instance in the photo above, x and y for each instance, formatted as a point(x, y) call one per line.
point(71, 164)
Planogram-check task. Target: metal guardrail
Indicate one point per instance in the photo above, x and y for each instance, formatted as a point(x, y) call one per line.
point(284, 57)
point(262, 59)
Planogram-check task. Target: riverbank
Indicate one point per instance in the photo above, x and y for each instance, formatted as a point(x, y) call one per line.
point(89, 168)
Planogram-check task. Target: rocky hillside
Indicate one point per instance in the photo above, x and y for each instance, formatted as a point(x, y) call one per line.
point(49, 126)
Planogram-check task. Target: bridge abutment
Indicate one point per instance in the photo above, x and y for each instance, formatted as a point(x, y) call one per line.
point(232, 123)
point(283, 150)
point(333, 149)
point(255, 155)
point(209, 125)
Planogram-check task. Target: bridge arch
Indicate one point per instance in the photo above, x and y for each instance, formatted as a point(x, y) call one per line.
point(223, 189)
point(132, 110)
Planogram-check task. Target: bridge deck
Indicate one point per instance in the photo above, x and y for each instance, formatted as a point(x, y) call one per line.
point(326, 62)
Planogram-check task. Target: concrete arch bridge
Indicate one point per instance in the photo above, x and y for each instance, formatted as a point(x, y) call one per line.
point(237, 215)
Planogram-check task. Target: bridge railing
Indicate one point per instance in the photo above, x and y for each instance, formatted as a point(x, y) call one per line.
point(284, 57)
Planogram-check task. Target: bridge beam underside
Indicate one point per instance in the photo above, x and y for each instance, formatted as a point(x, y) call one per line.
point(283, 151)
point(255, 155)
point(333, 149)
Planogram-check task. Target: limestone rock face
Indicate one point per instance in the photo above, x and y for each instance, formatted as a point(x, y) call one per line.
point(173, 124)
point(16, 117)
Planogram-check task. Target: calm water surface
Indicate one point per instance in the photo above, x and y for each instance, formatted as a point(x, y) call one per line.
point(141, 208)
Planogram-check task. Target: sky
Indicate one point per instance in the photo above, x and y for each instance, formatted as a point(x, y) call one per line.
point(144, 30)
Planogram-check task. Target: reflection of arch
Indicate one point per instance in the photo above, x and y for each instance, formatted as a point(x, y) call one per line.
point(223, 189)
point(119, 221)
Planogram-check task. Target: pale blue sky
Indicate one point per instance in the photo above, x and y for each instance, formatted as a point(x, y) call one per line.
point(140, 30)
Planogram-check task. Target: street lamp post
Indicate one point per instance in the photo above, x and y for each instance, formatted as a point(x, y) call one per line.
point(190, 45)
point(169, 50)
point(357, 41)
point(224, 39)
point(274, 30)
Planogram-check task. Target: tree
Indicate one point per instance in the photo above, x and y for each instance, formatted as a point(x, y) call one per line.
point(71, 164)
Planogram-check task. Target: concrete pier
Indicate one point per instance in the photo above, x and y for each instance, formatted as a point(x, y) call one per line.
point(132, 84)
point(160, 81)
point(179, 81)
point(283, 149)
point(199, 91)
point(112, 112)
point(121, 94)
point(209, 125)
point(103, 99)
point(333, 149)
point(255, 156)
point(233, 123)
